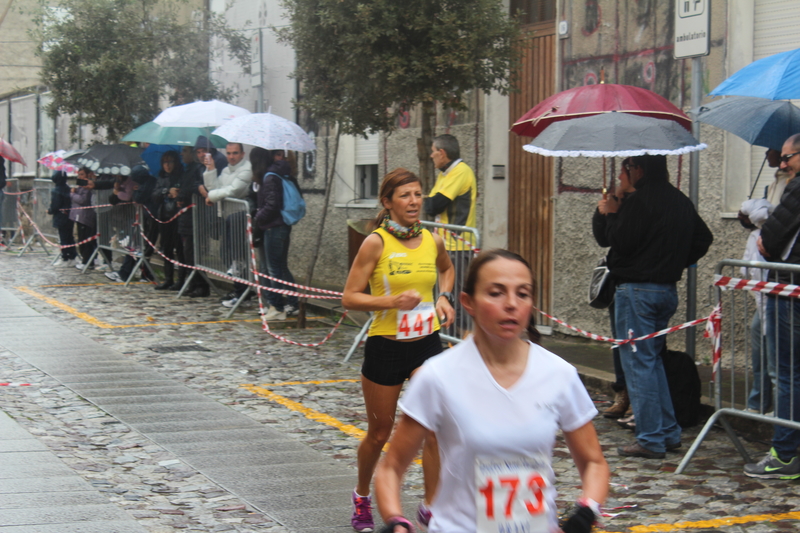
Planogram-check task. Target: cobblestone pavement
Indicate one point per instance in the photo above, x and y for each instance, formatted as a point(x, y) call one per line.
point(308, 394)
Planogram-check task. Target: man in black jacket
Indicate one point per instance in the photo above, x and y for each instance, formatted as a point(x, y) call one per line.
point(779, 243)
point(654, 235)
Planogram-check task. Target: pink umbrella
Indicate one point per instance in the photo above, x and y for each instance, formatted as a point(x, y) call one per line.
point(10, 153)
point(55, 161)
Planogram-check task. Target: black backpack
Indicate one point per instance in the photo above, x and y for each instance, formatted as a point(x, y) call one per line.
point(684, 386)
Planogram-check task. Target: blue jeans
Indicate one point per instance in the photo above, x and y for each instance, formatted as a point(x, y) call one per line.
point(619, 384)
point(783, 325)
point(644, 308)
point(276, 257)
point(760, 398)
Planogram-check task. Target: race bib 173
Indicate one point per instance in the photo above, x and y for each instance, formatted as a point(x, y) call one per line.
point(510, 495)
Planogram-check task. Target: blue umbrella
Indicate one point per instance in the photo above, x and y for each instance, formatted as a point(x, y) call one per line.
point(756, 120)
point(776, 77)
point(152, 156)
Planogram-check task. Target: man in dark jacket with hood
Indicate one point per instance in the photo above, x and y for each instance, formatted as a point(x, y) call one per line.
point(60, 203)
point(779, 243)
point(654, 235)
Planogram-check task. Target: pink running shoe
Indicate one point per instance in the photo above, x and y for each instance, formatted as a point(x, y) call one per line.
point(362, 514)
point(423, 516)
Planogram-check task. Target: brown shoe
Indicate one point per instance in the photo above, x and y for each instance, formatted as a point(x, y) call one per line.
point(637, 450)
point(620, 405)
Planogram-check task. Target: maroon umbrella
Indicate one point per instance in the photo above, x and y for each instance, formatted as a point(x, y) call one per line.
point(591, 100)
point(10, 153)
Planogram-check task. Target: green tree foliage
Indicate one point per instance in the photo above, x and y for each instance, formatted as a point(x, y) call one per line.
point(111, 61)
point(362, 62)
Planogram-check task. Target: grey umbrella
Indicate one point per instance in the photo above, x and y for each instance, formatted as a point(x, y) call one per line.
point(758, 121)
point(613, 134)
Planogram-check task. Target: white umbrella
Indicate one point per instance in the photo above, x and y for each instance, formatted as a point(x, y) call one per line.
point(268, 131)
point(199, 114)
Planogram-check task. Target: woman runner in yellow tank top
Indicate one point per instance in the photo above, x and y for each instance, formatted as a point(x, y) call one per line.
point(400, 262)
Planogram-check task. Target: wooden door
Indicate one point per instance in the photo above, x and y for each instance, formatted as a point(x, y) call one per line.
point(530, 187)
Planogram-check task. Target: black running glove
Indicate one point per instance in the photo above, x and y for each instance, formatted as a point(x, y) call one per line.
point(397, 521)
point(580, 521)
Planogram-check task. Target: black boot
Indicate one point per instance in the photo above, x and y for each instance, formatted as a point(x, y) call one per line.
point(178, 285)
point(169, 272)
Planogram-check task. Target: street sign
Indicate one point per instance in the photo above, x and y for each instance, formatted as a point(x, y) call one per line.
point(692, 19)
point(255, 59)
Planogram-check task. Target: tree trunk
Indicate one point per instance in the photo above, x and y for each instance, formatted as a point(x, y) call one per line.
point(301, 317)
point(426, 170)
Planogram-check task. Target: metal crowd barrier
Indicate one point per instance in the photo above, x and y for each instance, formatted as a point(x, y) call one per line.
point(41, 203)
point(734, 378)
point(118, 232)
point(10, 218)
point(221, 243)
point(463, 243)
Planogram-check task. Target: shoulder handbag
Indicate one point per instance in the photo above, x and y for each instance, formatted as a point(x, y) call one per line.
point(601, 286)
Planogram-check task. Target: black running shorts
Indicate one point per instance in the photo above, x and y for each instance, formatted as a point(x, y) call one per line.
point(389, 362)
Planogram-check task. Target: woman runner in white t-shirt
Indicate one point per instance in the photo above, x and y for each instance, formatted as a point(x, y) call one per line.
point(495, 403)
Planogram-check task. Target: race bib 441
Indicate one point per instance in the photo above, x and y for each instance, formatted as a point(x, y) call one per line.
point(417, 322)
point(510, 496)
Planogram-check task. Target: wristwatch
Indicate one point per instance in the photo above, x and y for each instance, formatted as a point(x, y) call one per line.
point(449, 296)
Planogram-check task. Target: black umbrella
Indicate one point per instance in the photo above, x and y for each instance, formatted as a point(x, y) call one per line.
point(111, 158)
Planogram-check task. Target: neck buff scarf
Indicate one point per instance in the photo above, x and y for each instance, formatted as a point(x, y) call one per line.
point(401, 232)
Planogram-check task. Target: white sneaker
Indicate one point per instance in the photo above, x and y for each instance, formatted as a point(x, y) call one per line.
point(234, 270)
point(230, 303)
point(79, 265)
point(274, 314)
point(290, 310)
point(70, 262)
point(114, 276)
point(58, 262)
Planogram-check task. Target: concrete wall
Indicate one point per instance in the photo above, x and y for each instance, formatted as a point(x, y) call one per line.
point(19, 66)
point(632, 42)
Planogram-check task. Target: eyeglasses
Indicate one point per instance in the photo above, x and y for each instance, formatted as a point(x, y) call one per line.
point(787, 157)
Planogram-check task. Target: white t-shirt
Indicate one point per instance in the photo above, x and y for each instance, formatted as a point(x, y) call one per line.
point(475, 419)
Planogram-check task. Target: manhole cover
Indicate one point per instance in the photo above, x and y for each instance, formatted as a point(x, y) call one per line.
point(183, 348)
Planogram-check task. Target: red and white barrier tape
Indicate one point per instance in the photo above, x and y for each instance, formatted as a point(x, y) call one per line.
point(21, 228)
point(93, 206)
point(262, 311)
point(234, 278)
point(619, 342)
point(767, 287)
point(15, 384)
point(45, 239)
point(20, 193)
point(179, 213)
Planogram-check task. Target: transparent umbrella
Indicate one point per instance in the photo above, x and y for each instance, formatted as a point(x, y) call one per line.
point(613, 135)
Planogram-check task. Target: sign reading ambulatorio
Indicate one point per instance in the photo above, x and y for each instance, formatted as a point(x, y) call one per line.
point(691, 28)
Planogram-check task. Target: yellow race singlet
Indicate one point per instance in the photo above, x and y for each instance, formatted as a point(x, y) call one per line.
point(401, 269)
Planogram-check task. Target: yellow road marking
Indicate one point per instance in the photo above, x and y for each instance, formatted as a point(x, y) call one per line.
point(64, 307)
point(312, 414)
point(320, 382)
point(309, 413)
point(105, 325)
point(717, 522)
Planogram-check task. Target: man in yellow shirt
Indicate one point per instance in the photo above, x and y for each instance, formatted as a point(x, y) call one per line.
point(452, 201)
